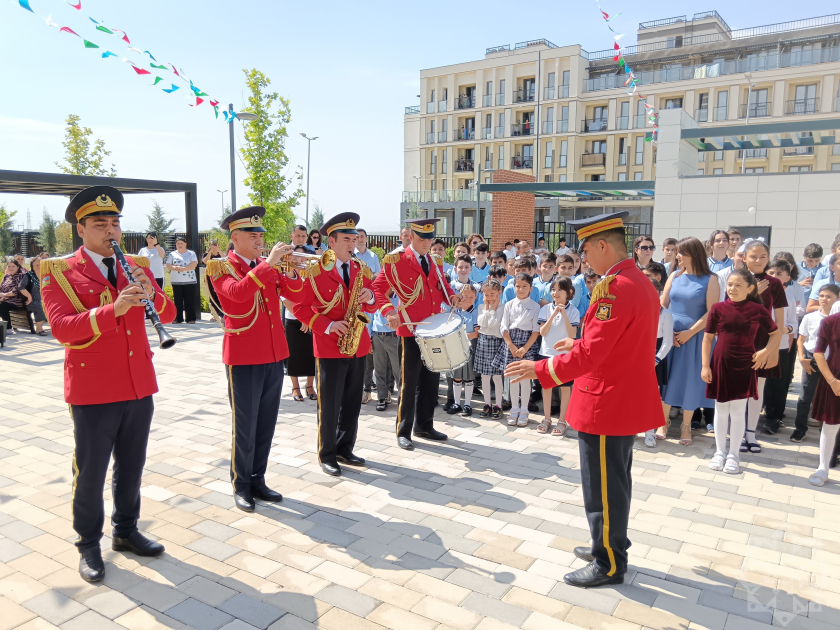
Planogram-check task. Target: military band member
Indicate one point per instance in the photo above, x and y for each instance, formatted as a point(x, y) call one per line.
point(622, 321)
point(253, 349)
point(109, 378)
point(323, 306)
point(418, 280)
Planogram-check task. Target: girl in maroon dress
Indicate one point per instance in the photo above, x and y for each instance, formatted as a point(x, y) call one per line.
point(731, 373)
point(772, 292)
point(826, 405)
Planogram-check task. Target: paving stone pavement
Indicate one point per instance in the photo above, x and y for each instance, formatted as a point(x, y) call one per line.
point(473, 533)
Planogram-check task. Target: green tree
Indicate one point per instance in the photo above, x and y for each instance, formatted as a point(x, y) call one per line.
point(80, 158)
point(265, 156)
point(316, 219)
point(413, 211)
point(46, 233)
point(158, 222)
point(226, 212)
point(6, 238)
point(63, 238)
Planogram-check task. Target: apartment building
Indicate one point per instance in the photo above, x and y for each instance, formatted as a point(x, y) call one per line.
point(562, 114)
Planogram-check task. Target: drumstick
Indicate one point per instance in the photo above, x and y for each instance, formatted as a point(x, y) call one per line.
point(415, 324)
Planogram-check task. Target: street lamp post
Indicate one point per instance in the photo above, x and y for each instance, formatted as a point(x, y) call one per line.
point(246, 117)
point(223, 199)
point(750, 85)
point(308, 153)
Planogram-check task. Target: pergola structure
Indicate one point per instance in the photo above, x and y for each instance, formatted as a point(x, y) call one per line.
point(29, 183)
point(576, 189)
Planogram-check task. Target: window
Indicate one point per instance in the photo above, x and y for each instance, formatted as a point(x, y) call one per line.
point(550, 79)
point(758, 169)
point(502, 87)
point(432, 126)
point(835, 166)
point(717, 171)
point(622, 177)
point(673, 103)
point(433, 164)
point(564, 119)
point(432, 100)
point(447, 221)
point(563, 147)
point(599, 146)
point(835, 150)
point(704, 101)
point(445, 94)
point(701, 156)
point(549, 153)
point(443, 184)
point(501, 157)
point(443, 162)
point(722, 104)
point(596, 178)
point(806, 100)
point(758, 106)
point(548, 179)
point(488, 88)
point(565, 77)
point(799, 169)
point(637, 176)
point(434, 184)
point(561, 178)
point(599, 113)
point(717, 156)
point(486, 180)
point(640, 149)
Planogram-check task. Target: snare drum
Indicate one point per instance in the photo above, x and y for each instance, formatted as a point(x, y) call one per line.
point(443, 342)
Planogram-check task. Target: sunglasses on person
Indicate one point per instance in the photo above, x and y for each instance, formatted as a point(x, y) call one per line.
point(646, 248)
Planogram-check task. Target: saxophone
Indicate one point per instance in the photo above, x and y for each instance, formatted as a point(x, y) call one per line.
point(355, 317)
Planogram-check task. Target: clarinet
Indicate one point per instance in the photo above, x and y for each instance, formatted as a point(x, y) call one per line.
point(166, 340)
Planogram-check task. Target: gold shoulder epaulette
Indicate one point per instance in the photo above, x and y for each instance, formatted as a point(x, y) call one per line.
point(217, 267)
point(390, 259)
point(50, 265)
point(438, 259)
point(364, 269)
point(602, 289)
point(140, 261)
point(312, 270)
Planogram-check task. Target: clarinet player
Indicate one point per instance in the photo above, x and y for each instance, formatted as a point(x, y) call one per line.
point(109, 379)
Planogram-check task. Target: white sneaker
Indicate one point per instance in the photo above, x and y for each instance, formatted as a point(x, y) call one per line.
point(388, 399)
point(650, 439)
point(522, 421)
point(717, 462)
point(818, 478)
point(366, 397)
point(732, 466)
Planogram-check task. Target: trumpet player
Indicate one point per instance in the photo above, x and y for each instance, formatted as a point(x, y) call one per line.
point(334, 304)
point(253, 349)
point(96, 313)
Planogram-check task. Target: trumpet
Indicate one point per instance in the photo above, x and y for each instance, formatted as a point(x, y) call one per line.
point(297, 260)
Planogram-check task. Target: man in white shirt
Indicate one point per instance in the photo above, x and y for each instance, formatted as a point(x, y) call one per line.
point(509, 251)
point(405, 240)
point(540, 248)
point(364, 254)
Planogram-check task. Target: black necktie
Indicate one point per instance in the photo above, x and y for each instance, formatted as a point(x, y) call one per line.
point(345, 269)
point(253, 264)
point(425, 264)
point(112, 275)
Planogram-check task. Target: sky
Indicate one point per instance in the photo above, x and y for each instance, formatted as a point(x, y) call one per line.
point(348, 69)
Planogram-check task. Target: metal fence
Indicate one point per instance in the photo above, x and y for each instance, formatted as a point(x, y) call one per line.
point(24, 242)
point(389, 242)
point(551, 231)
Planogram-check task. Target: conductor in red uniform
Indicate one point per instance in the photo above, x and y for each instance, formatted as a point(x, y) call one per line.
point(253, 349)
point(422, 288)
point(621, 322)
point(109, 378)
point(331, 289)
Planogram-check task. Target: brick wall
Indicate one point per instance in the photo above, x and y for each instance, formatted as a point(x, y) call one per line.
point(513, 212)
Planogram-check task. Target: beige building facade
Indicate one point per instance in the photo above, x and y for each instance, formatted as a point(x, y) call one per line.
point(562, 114)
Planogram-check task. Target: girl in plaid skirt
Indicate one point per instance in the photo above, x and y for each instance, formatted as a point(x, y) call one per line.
point(489, 341)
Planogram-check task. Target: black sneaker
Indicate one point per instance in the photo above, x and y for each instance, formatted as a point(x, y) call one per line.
point(448, 406)
point(486, 412)
point(454, 409)
point(772, 426)
point(797, 436)
point(497, 413)
point(532, 407)
point(467, 411)
point(381, 405)
point(506, 404)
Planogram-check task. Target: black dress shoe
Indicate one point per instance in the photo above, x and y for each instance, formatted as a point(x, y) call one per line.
point(91, 567)
point(405, 443)
point(532, 407)
point(262, 491)
point(431, 434)
point(244, 501)
point(350, 459)
point(331, 469)
point(137, 543)
point(591, 575)
point(584, 553)
point(382, 405)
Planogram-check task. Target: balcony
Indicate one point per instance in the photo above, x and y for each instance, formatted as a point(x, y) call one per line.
point(520, 162)
point(435, 196)
point(622, 159)
point(430, 108)
point(701, 115)
point(639, 121)
point(721, 112)
point(548, 126)
point(791, 151)
point(499, 132)
point(563, 91)
point(523, 96)
point(414, 109)
point(562, 160)
point(465, 134)
point(465, 102)
point(548, 93)
point(500, 99)
point(463, 165)
point(708, 70)
point(486, 133)
point(592, 125)
point(430, 137)
point(802, 106)
point(753, 154)
point(562, 126)
point(756, 110)
point(441, 106)
point(487, 100)
point(442, 136)
point(588, 160)
point(622, 122)
point(522, 129)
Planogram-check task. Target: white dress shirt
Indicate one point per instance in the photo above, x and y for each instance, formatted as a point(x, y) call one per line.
point(97, 260)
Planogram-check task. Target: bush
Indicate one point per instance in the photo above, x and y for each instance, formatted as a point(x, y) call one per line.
point(450, 255)
point(380, 253)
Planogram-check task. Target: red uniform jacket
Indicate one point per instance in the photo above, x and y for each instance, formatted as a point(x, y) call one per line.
point(420, 296)
point(106, 358)
point(613, 366)
point(250, 299)
point(314, 309)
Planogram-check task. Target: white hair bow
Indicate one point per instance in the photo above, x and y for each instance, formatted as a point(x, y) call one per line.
point(743, 247)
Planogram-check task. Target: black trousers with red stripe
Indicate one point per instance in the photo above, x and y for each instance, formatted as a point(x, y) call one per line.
point(605, 462)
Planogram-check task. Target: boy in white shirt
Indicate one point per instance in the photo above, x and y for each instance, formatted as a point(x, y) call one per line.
point(808, 329)
point(562, 250)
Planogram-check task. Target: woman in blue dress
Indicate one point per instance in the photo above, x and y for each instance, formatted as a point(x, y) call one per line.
point(689, 295)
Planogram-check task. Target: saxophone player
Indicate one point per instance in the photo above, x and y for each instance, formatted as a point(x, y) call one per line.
point(334, 304)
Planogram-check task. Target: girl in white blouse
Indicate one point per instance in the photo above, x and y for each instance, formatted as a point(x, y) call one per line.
point(489, 342)
point(520, 331)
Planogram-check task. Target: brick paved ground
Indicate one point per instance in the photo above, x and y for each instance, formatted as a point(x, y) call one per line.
point(473, 533)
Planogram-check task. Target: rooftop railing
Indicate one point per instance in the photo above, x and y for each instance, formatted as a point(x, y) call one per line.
point(663, 22)
point(704, 15)
point(434, 196)
point(534, 42)
point(496, 49)
point(413, 109)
